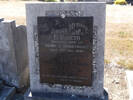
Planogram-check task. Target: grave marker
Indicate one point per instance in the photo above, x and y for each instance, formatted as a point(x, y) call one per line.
point(66, 49)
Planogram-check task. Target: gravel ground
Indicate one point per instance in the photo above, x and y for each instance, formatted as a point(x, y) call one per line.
point(115, 83)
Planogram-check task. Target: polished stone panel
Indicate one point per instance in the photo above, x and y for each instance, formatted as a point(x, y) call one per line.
point(65, 50)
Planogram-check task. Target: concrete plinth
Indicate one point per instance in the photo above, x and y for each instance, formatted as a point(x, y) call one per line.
point(6, 93)
point(59, 96)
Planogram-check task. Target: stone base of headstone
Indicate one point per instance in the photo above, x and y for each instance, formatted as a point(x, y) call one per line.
point(1, 84)
point(18, 97)
point(6, 92)
point(54, 96)
point(9, 92)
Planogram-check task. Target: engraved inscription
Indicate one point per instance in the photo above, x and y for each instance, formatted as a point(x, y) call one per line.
point(66, 50)
point(70, 13)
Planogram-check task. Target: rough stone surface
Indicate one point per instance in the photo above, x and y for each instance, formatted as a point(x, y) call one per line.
point(18, 97)
point(6, 93)
point(1, 84)
point(9, 93)
point(84, 9)
point(29, 96)
point(21, 51)
point(13, 61)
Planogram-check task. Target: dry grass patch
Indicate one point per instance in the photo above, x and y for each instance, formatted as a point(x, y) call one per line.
point(119, 32)
point(126, 63)
point(123, 47)
point(122, 34)
point(107, 61)
point(118, 29)
point(119, 43)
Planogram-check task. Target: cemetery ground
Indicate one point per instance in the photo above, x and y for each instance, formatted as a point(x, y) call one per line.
point(118, 43)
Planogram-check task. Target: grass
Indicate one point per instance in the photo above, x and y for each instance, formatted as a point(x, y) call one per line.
point(107, 61)
point(124, 34)
point(119, 44)
point(121, 48)
point(126, 63)
point(119, 36)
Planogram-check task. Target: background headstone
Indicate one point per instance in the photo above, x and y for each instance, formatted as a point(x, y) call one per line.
point(13, 54)
point(62, 10)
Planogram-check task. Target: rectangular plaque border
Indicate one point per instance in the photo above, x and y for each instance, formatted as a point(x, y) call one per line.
point(86, 18)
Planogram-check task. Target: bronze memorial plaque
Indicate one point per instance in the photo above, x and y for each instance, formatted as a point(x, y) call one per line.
point(65, 50)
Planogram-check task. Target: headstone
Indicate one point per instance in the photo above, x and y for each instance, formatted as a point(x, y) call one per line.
point(66, 50)
point(13, 54)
